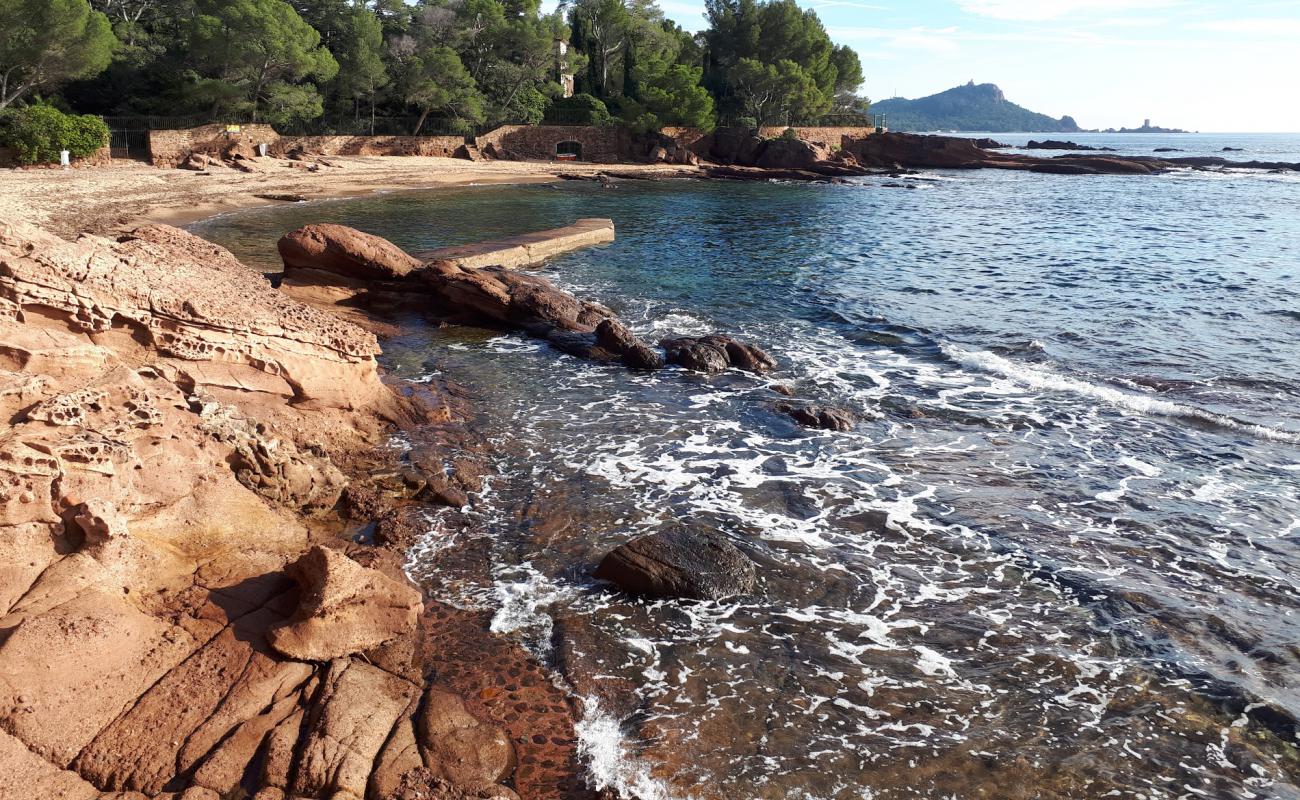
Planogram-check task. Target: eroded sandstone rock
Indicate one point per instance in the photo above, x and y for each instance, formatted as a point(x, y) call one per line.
point(491, 295)
point(350, 719)
point(170, 420)
point(344, 608)
point(345, 251)
point(457, 746)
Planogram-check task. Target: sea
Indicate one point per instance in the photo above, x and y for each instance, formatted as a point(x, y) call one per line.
point(1057, 557)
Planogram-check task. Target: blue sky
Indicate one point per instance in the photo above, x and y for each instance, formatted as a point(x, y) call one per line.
point(1201, 65)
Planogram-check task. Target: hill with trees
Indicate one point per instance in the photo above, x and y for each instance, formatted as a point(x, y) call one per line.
point(395, 66)
point(973, 107)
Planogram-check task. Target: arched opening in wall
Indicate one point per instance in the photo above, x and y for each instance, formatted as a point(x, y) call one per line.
point(568, 151)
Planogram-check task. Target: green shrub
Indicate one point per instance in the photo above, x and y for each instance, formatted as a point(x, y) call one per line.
point(580, 109)
point(748, 123)
point(790, 135)
point(632, 115)
point(37, 134)
point(87, 134)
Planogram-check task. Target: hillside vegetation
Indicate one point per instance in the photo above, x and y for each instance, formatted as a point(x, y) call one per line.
point(408, 66)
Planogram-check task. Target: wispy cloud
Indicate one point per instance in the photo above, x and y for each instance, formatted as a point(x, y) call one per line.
point(948, 39)
point(1271, 28)
point(1041, 10)
point(936, 41)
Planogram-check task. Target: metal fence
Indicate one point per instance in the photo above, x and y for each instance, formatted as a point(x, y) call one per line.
point(331, 126)
point(161, 123)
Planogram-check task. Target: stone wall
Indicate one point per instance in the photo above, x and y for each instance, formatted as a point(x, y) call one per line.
point(444, 146)
point(690, 137)
point(170, 148)
point(831, 136)
point(605, 145)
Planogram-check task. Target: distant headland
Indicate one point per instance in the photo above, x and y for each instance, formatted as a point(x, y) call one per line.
point(972, 107)
point(983, 107)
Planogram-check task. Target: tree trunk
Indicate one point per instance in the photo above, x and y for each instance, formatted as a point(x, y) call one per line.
point(420, 124)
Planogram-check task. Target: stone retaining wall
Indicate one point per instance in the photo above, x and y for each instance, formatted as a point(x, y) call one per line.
point(605, 145)
point(170, 148)
point(444, 146)
point(690, 137)
point(832, 136)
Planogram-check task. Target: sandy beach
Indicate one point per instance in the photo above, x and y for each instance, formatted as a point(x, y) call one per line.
point(111, 198)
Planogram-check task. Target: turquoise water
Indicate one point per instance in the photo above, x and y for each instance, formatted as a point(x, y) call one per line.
point(1056, 559)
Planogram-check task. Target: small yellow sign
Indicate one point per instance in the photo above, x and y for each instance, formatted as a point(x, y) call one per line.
point(233, 129)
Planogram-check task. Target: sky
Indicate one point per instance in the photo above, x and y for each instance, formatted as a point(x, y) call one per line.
point(1207, 65)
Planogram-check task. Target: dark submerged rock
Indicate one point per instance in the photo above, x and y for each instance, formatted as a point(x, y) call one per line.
point(615, 337)
point(829, 418)
point(1053, 144)
point(716, 353)
point(679, 563)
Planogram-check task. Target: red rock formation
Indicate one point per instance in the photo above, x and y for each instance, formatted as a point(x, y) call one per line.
point(335, 272)
point(345, 251)
point(343, 608)
point(175, 430)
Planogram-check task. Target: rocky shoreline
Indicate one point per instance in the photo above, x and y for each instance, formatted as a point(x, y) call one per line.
point(205, 526)
point(205, 523)
point(193, 466)
point(738, 155)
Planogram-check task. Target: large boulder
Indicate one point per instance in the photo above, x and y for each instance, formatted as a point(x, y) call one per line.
point(786, 153)
point(911, 150)
point(679, 563)
point(345, 251)
point(715, 353)
point(615, 336)
point(734, 146)
point(508, 297)
point(343, 608)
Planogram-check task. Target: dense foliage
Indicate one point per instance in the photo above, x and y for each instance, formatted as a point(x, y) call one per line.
point(37, 133)
point(426, 65)
point(44, 43)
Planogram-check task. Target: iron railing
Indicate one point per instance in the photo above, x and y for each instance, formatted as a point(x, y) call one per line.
point(323, 126)
point(163, 123)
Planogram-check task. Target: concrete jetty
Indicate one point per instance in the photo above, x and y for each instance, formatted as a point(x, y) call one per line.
point(528, 249)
